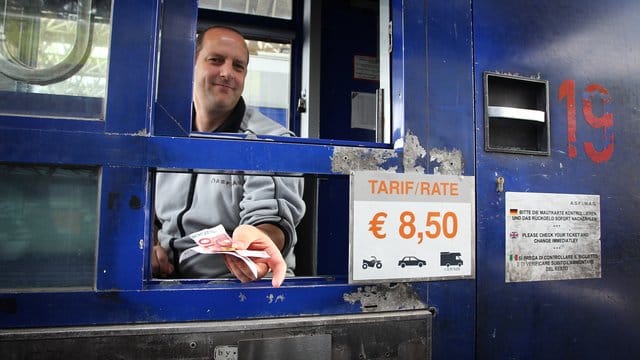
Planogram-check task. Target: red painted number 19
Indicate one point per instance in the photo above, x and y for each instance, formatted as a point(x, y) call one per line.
point(567, 91)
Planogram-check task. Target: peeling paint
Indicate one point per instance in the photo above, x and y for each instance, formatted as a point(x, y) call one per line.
point(449, 162)
point(385, 298)
point(413, 151)
point(141, 132)
point(275, 299)
point(537, 76)
point(347, 159)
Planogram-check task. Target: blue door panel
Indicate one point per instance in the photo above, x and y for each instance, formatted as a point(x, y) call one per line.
point(577, 47)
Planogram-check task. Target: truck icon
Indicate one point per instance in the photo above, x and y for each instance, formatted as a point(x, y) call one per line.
point(450, 258)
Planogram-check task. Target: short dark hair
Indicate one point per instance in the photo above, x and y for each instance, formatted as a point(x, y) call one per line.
point(200, 37)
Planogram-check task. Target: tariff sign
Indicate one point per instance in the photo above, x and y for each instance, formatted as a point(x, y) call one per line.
point(407, 227)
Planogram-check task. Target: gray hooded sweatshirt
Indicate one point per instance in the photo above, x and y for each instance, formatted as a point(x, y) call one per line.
point(188, 202)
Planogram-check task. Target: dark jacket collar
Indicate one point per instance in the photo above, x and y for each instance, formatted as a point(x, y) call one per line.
point(232, 124)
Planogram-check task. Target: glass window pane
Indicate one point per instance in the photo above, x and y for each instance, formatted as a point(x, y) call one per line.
point(48, 226)
point(54, 57)
point(267, 84)
point(281, 9)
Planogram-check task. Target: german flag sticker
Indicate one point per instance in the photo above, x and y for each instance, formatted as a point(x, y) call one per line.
point(513, 212)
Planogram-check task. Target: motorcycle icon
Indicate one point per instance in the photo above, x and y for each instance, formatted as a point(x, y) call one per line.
point(374, 262)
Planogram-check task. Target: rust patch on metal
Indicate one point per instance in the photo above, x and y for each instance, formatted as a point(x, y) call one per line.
point(449, 162)
point(400, 296)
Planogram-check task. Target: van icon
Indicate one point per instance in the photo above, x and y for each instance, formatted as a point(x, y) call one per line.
point(450, 258)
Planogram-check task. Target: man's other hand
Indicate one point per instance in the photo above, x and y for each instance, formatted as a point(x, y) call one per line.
point(160, 265)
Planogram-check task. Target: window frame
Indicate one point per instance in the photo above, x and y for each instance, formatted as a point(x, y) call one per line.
point(127, 147)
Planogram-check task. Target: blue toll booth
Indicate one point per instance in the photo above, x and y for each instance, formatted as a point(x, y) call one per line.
point(538, 101)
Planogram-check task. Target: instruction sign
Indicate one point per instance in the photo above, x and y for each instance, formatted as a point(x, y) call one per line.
point(552, 236)
point(411, 227)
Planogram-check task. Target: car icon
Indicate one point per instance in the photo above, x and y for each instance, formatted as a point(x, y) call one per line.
point(411, 261)
point(371, 263)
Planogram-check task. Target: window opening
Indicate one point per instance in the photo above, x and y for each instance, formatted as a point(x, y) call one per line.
point(281, 9)
point(269, 66)
point(185, 203)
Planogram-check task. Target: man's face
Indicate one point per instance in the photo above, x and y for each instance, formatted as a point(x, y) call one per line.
point(220, 70)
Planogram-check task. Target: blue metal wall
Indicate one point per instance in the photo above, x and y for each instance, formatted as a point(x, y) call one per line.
point(438, 108)
point(576, 43)
point(433, 99)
